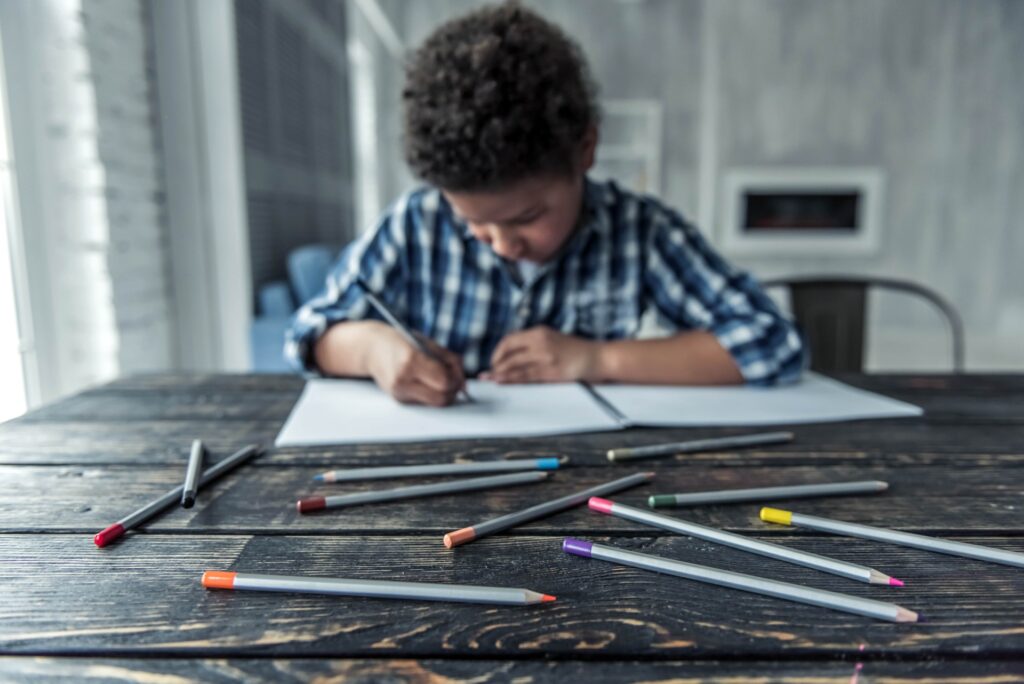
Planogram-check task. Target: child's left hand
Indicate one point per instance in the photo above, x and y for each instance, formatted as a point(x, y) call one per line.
point(541, 354)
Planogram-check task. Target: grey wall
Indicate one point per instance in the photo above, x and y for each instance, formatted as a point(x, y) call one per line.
point(929, 91)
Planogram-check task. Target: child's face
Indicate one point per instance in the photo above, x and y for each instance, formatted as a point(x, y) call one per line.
point(530, 220)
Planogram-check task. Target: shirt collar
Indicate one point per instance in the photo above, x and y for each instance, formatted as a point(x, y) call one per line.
point(594, 217)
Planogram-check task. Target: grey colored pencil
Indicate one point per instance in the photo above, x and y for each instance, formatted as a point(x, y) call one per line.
point(422, 591)
point(735, 580)
point(693, 446)
point(915, 541)
point(398, 324)
point(192, 474)
point(860, 573)
point(318, 503)
point(140, 516)
point(767, 493)
point(354, 474)
point(468, 534)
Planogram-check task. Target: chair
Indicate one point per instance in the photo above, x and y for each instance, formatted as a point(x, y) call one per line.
point(831, 312)
point(307, 268)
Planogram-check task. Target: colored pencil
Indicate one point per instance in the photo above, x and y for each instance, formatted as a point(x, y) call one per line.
point(192, 473)
point(318, 503)
point(117, 530)
point(423, 591)
point(915, 541)
point(468, 534)
point(767, 493)
point(735, 580)
point(860, 573)
point(354, 474)
point(693, 446)
point(388, 315)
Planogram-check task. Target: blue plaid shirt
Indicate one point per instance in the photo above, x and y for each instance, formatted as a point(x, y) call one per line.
point(630, 258)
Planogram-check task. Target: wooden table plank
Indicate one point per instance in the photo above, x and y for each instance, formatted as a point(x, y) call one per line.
point(85, 499)
point(79, 464)
point(438, 671)
point(65, 597)
point(875, 443)
point(978, 396)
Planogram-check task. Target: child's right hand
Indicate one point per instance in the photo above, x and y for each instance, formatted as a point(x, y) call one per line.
point(412, 377)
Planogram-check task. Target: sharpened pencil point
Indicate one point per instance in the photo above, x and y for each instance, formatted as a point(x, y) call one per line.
point(904, 615)
point(895, 582)
point(318, 478)
point(547, 597)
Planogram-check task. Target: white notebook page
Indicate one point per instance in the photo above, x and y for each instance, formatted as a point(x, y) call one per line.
point(353, 411)
point(815, 399)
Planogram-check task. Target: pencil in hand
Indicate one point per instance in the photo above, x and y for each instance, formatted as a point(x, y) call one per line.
point(410, 335)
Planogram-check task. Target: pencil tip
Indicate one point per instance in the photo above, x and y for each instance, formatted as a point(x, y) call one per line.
point(904, 615)
point(318, 478)
point(547, 597)
point(188, 502)
point(893, 582)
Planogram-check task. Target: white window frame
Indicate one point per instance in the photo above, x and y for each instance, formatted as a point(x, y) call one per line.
point(208, 231)
point(37, 325)
point(10, 225)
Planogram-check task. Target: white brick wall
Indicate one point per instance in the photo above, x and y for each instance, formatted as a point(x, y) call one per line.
point(108, 254)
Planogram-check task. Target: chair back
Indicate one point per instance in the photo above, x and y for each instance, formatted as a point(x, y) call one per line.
point(307, 270)
point(832, 313)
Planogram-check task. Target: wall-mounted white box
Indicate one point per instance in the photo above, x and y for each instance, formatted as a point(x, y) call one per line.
point(793, 211)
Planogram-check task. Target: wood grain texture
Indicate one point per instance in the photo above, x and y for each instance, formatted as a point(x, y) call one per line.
point(82, 463)
point(153, 419)
point(66, 597)
point(42, 670)
point(261, 500)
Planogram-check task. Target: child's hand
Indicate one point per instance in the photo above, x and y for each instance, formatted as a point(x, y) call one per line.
point(542, 355)
point(412, 377)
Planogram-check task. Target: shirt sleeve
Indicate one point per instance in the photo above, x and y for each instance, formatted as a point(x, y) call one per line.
point(377, 257)
point(694, 288)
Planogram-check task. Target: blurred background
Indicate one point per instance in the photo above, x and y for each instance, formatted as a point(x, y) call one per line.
point(175, 174)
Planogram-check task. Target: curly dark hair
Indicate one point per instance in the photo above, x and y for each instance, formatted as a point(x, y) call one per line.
point(494, 97)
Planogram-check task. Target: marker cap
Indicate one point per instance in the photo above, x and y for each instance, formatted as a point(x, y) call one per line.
point(459, 537)
point(216, 579)
point(577, 547)
point(111, 534)
point(774, 515)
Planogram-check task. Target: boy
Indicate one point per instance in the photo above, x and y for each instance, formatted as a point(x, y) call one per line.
point(514, 265)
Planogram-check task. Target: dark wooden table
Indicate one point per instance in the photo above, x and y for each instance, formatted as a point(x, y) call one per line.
point(136, 610)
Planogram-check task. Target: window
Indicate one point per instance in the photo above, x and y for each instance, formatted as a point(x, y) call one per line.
point(12, 375)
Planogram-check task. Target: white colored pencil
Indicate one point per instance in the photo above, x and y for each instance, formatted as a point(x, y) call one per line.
point(735, 580)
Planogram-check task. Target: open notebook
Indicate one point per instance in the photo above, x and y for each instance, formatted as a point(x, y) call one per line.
point(355, 411)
